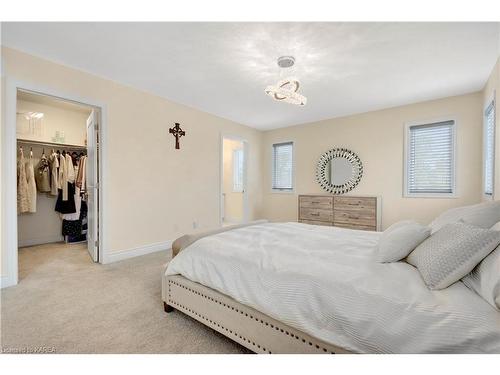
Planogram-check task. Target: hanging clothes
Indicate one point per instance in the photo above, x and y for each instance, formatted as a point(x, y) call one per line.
point(42, 175)
point(30, 175)
point(72, 228)
point(66, 206)
point(76, 230)
point(22, 185)
point(78, 203)
point(54, 173)
point(63, 178)
point(80, 177)
point(70, 169)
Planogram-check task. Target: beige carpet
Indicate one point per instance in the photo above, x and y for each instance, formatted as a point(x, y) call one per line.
point(66, 302)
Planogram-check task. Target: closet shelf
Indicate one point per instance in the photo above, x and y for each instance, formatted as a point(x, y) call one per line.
point(51, 144)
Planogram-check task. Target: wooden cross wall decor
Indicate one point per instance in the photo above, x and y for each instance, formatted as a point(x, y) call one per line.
point(177, 132)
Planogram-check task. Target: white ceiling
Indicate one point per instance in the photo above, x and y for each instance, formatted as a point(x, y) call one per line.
point(223, 68)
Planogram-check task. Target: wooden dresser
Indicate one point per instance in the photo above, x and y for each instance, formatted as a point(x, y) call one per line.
point(340, 211)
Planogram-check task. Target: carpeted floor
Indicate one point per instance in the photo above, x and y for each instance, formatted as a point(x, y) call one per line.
point(68, 304)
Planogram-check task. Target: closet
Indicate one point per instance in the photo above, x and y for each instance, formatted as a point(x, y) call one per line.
point(53, 167)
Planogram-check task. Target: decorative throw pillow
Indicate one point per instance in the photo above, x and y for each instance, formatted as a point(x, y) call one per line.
point(482, 215)
point(400, 239)
point(496, 226)
point(485, 278)
point(452, 252)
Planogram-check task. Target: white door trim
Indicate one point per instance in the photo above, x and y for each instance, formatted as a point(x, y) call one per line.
point(9, 157)
point(245, 174)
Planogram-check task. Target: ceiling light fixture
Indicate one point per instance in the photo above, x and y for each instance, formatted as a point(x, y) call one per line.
point(286, 90)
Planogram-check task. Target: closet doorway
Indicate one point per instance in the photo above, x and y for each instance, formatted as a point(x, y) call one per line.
point(233, 187)
point(57, 187)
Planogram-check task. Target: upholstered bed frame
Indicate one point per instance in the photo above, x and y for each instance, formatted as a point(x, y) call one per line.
point(245, 325)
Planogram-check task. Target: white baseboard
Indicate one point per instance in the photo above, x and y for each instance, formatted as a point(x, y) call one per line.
point(6, 281)
point(136, 251)
point(231, 220)
point(39, 241)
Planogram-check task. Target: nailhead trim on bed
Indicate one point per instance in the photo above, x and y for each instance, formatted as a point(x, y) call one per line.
point(238, 311)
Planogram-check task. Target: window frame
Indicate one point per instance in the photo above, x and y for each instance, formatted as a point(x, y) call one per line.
point(490, 102)
point(236, 168)
point(273, 165)
point(407, 127)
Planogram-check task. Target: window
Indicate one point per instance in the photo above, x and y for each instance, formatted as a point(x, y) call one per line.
point(283, 166)
point(238, 171)
point(430, 160)
point(489, 149)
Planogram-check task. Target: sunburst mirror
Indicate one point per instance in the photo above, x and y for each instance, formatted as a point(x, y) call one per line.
point(339, 170)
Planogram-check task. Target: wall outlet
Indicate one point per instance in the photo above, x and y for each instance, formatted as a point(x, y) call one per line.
point(195, 224)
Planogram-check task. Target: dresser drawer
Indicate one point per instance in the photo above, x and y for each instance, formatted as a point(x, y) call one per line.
point(307, 201)
point(355, 217)
point(316, 214)
point(343, 211)
point(355, 226)
point(368, 204)
point(313, 222)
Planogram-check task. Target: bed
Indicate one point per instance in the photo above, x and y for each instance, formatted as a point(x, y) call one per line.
point(299, 288)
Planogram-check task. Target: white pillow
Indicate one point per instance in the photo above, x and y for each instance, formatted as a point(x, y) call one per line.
point(452, 252)
point(400, 239)
point(485, 278)
point(482, 215)
point(496, 226)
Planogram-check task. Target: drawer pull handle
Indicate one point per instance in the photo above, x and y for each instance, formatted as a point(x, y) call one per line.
point(314, 214)
point(315, 202)
point(354, 217)
point(354, 204)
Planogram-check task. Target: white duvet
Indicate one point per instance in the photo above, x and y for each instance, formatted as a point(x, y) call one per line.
point(324, 281)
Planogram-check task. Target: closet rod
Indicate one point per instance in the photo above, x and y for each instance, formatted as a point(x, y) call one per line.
point(51, 144)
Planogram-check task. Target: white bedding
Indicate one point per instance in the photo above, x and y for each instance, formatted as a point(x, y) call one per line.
point(325, 281)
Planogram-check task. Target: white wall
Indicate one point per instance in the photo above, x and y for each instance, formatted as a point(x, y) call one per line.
point(378, 138)
point(156, 192)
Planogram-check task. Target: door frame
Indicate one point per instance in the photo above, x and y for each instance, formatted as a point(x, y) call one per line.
point(9, 170)
point(245, 174)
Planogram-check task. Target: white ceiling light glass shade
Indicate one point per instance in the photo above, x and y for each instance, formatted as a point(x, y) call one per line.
point(286, 90)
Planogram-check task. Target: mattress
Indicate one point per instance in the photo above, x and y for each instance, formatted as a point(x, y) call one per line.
point(324, 281)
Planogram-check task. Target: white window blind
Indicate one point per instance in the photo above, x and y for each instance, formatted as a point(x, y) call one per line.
point(283, 166)
point(238, 171)
point(489, 148)
point(430, 159)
